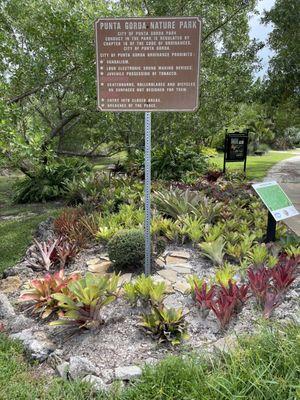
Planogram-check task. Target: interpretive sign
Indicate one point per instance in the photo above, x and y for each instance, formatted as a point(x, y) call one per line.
point(277, 202)
point(236, 148)
point(148, 64)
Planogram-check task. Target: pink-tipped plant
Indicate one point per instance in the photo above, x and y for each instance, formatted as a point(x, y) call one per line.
point(47, 253)
point(203, 297)
point(40, 292)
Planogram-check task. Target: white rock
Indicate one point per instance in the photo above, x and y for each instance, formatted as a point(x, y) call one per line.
point(168, 274)
point(182, 287)
point(100, 268)
point(128, 373)
point(62, 369)
point(176, 260)
point(6, 309)
point(125, 278)
point(96, 382)
point(180, 268)
point(160, 262)
point(37, 345)
point(180, 254)
point(80, 367)
point(19, 323)
point(93, 261)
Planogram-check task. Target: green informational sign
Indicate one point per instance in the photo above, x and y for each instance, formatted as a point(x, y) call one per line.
point(276, 200)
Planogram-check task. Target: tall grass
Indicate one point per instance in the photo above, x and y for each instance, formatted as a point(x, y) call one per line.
point(262, 367)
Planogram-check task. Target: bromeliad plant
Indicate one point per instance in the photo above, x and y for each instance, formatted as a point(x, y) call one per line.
point(52, 253)
point(225, 274)
point(46, 256)
point(175, 202)
point(40, 292)
point(145, 290)
point(203, 296)
point(270, 285)
point(165, 324)
point(83, 304)
point(213, 250)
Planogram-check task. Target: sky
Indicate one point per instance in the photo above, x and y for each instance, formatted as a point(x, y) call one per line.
point(260, 32)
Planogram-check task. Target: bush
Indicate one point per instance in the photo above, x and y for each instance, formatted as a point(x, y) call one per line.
point(127, 248)
point(170, 163)
point(47, 182)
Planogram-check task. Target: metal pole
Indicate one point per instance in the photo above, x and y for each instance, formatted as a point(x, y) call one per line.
point(147, 193)
point(225, 149)
point(271, 228)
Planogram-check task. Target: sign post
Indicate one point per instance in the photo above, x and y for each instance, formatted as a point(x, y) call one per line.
point(148, 64)
point(279, 205)
point(147, 193)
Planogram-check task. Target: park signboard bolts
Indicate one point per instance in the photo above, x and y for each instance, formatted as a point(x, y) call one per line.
point(149, 65)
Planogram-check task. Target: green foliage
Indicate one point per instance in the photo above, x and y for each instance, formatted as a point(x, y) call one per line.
point(241, 247)
point(194, 280)
point(244, 373)
point(47, 182)
point(170, 163)
point(127, 248)
point(165, 325)
point(175, 202)
point(83, 304)
point(225, 274)
point(145, 290)
point(192, 227)
point(258, 255)
point(128, 217)
point(213, 250)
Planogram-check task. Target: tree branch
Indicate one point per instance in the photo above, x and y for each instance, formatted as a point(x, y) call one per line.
point(38, 88)
point(232, 16)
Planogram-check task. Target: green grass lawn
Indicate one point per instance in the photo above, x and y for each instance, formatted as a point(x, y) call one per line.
point(16, 234)
point(262, 367)
point(257, 166)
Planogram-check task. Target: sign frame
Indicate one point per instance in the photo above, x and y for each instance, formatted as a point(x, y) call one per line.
point(199, 47)
point(291, 208)
point(227, 143)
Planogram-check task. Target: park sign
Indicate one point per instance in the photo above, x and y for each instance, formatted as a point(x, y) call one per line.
point(277, 202)
point(148, 64)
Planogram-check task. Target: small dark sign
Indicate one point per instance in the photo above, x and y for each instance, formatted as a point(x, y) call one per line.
point(236, 147)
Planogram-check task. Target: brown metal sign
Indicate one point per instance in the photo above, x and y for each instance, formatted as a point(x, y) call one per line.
point(148, 64)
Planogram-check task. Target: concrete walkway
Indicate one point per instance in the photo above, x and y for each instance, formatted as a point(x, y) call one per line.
point(287, 174)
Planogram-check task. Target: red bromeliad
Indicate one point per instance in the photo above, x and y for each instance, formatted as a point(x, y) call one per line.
point(284, 273)
point(223, 305)
point(259, 283)
point(203, 297)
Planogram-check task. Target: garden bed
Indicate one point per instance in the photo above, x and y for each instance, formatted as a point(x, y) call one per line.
point(120, 342)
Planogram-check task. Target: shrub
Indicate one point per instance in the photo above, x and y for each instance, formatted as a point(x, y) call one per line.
point(47, 182)
point(127, 248)
point(169, 163)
